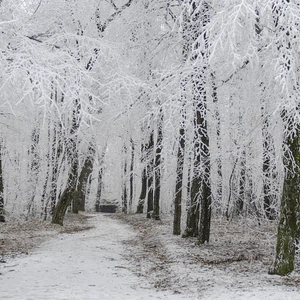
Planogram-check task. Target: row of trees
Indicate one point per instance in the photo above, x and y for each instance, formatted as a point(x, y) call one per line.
point(187, 108)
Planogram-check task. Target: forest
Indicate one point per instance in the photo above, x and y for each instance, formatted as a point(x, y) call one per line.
point(181, 109)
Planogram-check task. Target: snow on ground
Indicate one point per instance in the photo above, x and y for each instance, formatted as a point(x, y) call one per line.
point(140, 260)
point(84, 265)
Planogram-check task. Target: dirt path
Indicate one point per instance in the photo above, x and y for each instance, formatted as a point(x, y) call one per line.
point(84, 265)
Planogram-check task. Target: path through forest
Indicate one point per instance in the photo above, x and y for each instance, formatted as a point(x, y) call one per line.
point(84, 265)
point(108, 262)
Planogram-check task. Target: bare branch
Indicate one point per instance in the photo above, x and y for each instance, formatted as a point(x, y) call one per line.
point(101, 27)
point(113, 4)
point(234, 73)
point(37, 7)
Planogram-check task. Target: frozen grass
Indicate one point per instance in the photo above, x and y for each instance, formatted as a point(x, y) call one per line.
point(236, 260)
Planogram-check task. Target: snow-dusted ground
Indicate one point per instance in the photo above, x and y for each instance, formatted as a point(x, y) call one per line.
point(94, 264)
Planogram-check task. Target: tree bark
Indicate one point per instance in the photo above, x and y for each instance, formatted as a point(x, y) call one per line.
point(66, 197)
point(44, 194)
point(218, 160)
point(268, 149)
point(99, 190)
point(72, 157)
point(131, 178)
point(150, 167)
point(179, 178)
point(124, 184)
point(2, 217)
point(200, 201)
point(34, 170)
point(289, 214)
point(157, 169)
point(192, 222)
point(140, 207)
point(82, 184)
point(242, 181)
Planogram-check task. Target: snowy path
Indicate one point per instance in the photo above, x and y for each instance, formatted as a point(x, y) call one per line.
point(86, 265)
point(90, 265)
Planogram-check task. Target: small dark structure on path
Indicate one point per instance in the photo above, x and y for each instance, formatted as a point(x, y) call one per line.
point(106, 207)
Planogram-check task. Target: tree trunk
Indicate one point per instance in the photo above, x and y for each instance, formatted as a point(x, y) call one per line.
point(56, 160)
point(179, 178)
point(157, 169)
point(131, 178)
point(72, 157)
point(124, 184)
point(150, 167)
point(2, 217)
point(66, 197)
point(44, 194)
point(232, 191)
point(34, 170)
point(201, 187)
point(242, 181)
point(140, 207)
point(205, 211)
point(289, 214)
point(218, 160)
point(192, 222)
point(81, 188)
point(99, 190)
point(268, 149)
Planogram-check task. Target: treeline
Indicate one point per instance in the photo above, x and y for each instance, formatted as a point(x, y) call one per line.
point(187, 108)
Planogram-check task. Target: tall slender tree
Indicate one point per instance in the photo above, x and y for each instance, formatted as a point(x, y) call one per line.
point(157, 167)
point(2, 217)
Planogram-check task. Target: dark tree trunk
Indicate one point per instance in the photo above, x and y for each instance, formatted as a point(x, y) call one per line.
point(82, 184)
point(200, 202)
point(179, 178)
point(143, 194)
point(150, 167)
point(150, 195)
point(268, 149)
point(66, 197)
point(100, 177)
point(140, 207)
point(181, 142)
point(157, 169)
point(192, 221)
point(99, 190)
point(201, 77)
point(290, 199)
point(44, 194)
point(124, 199)
point(131, 178)
point(2, 217)
point(34, 169)
point(205, 211)
point(232, 191)
point(124, 183)
point(242, 181)
point(289, 214)
point(56, 161)
point(72, 156)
